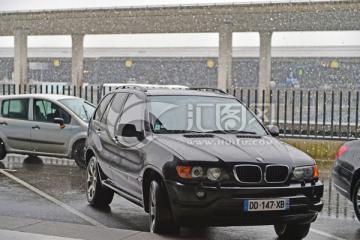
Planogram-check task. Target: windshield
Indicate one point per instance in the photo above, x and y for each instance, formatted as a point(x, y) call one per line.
point(202, 114)
point(80, 107)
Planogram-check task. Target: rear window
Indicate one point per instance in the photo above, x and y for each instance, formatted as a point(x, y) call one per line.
point(15, 108)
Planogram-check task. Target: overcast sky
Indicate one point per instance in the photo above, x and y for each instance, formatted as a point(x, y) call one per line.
point(166, 40)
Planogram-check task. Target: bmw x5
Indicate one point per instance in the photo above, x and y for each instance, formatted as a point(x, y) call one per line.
point(198, 158)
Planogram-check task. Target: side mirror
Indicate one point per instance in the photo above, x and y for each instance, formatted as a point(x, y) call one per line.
point(127, 130)
point(273, 130)
point(59, 121)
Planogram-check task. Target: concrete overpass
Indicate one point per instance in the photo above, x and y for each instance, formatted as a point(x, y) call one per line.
point(264, 18)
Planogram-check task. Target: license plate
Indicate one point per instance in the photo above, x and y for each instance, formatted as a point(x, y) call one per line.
point(266, 205)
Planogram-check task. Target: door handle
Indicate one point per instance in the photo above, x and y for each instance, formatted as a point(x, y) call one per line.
point(3, 123)
point(36, 127)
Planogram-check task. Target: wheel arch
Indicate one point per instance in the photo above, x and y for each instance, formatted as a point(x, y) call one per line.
point(355, 178)
point(149, 175)
point(88, 155)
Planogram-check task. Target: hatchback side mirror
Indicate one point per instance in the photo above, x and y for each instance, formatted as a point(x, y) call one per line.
point(273, 130)
point(59, 121)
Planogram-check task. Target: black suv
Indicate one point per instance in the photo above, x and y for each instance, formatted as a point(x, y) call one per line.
point(198, 158)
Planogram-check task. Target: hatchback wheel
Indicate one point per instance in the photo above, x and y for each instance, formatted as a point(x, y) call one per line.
point(96, 194)
point(292, 231)
point(356, 199)
point(2, 150)
point(160, 216)
point(79, 155)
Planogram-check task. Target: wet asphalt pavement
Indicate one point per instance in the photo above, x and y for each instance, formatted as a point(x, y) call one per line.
point(63, 181)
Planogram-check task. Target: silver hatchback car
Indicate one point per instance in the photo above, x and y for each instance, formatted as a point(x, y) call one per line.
point(44, 125)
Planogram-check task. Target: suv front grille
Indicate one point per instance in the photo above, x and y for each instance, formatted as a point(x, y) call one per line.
point(276, 173)
point(248, 173)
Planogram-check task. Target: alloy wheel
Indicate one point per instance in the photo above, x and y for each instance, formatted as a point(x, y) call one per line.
point(91, 180)
point(152, 209)
point(357, 199)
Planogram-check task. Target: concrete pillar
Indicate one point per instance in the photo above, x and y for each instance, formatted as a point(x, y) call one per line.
point(20, 59)
point(225, 57)
point(77, 68)
point(265, 74)
point(265, 62)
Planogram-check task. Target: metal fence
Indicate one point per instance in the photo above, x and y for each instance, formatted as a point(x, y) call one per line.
point(305, 113)
point(300, 113)
point(92, 93)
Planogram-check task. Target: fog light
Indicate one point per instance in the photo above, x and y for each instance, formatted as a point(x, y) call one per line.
point(213, 173)
point(200, 194)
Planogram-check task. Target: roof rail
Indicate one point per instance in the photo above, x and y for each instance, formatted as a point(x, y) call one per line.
point(141, 88)
point(208, 89)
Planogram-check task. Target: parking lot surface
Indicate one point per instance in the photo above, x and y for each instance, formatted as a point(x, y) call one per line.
point(46, 197)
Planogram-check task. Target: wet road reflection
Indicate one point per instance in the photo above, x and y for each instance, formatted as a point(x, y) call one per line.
point(62, 179)
point(65, 178)
point(59, 177)
point(14, 161)
point(335, 205)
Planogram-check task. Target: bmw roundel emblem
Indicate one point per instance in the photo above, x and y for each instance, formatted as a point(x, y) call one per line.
point(259, 159)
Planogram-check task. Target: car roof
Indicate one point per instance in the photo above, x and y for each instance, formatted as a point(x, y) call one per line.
point(173, 90)
point(147, 86)
point(177, 92)
point(43, 96)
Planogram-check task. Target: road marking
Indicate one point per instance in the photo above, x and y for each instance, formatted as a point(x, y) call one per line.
point(52, 199)
point(9, 170)
point(326, 234)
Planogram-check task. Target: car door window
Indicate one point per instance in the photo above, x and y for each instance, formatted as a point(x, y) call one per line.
point(46, 111)
point(15, 108)
point(115, 109)
point(102, 107)
point(132, 113)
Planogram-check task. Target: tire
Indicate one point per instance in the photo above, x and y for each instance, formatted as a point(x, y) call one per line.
point(160, 215)
point(97, 195)
point(79, 154)
point(292, 231)
point(356, 199)
point(2, 150)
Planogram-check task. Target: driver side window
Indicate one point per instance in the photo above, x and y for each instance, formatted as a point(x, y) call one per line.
point(46, 111)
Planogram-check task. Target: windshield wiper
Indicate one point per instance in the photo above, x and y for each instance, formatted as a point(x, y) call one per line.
point(231, 132)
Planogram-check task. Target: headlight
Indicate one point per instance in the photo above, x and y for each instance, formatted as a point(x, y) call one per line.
point(305, 173)
point(213, 174)
point(196, 172)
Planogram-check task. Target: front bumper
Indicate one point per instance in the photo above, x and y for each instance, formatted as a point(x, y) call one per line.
point(223, 206)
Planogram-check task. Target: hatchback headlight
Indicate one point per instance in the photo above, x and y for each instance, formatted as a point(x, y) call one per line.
point(305, 173)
